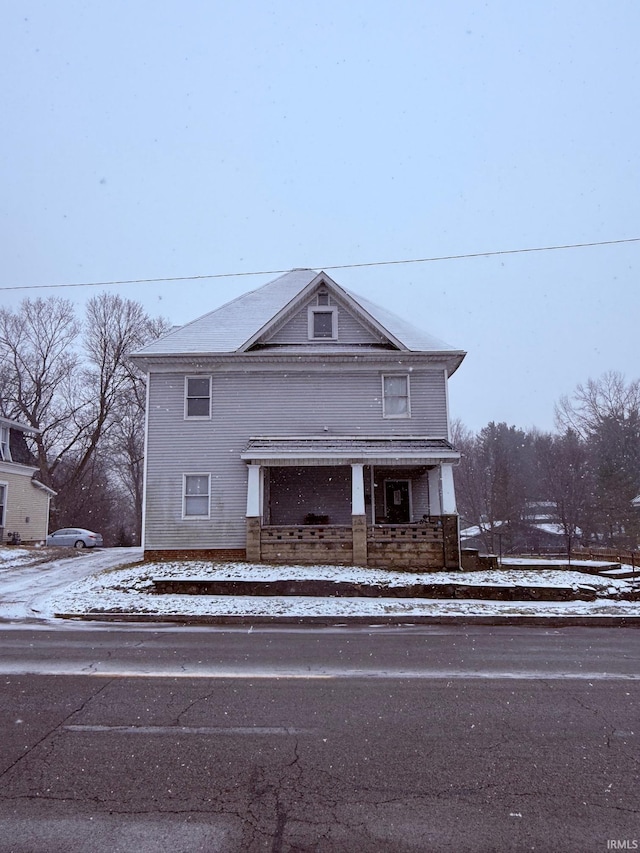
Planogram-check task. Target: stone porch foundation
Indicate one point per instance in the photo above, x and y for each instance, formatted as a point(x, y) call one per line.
point(429, 545)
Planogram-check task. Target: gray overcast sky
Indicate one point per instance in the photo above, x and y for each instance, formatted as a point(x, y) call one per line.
point(144, 139)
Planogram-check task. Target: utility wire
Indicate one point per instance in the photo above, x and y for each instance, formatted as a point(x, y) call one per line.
point(331, 267)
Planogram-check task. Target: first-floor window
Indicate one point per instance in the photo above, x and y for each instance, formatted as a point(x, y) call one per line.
point(3, 502)
point(196, 496)
point(395, 396)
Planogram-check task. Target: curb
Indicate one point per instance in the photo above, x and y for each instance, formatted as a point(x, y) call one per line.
point(345, 621)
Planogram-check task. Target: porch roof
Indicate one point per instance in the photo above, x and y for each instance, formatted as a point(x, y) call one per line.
point(348, 449)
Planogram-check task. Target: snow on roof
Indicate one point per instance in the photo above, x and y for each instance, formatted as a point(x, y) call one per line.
point(228, 328)
point(17, 425)
point(412, 337)
point(383, 450)
point(544, 527)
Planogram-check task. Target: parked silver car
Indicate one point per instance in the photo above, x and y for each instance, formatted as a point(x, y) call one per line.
point(75, 537)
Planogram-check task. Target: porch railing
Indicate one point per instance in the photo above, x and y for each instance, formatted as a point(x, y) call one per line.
point(306, 533)
point(432, 543)
point(430, 532)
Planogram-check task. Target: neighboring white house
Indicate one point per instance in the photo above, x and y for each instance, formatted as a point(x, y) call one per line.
point(300, 422)
point(24, 501)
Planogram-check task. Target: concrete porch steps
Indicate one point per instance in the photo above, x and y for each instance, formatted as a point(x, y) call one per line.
point(618, 572)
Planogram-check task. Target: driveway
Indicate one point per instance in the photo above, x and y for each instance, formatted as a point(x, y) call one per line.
point(24, 583)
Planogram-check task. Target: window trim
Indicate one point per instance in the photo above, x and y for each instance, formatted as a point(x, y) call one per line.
point(390, 415)
point(3, 506)
point(5, 430)
point(322, 309)
point(187, 416)
point(186, 517)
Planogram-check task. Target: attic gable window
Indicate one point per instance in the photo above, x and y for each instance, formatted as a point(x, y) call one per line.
point(197, 402)
point(323, 323)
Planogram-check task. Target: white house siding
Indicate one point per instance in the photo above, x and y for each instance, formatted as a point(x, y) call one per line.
point(27, 507)
point(260, 402)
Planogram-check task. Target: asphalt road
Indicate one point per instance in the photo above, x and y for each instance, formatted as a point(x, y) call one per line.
point(385, 739)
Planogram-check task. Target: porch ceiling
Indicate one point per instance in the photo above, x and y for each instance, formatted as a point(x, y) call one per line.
point(345, 450)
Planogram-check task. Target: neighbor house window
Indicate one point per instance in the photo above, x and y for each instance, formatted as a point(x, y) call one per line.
point(323, 323)
point(3, 502)
point(4, 444)
point(395, 397)
point(195, 503)
point(197, 403)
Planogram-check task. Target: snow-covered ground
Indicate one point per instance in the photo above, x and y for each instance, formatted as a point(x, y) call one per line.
point(29, 577)
point(115, 581)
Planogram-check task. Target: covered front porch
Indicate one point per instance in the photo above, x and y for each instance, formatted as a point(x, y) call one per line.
point(384, 503)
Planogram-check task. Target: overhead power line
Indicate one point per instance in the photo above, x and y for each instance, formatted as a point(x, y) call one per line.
point(326, 267)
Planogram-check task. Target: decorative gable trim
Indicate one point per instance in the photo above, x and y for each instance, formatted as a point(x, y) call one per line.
point(322, 282)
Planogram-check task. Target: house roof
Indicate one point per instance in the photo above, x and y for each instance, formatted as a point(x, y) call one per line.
point(345, 449)
point(17, 425)
point(234, 327)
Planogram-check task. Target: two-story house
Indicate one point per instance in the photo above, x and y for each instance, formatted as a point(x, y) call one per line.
point(24, 500)
point(300, 423)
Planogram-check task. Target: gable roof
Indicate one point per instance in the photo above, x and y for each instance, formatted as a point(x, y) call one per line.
point(236, 326)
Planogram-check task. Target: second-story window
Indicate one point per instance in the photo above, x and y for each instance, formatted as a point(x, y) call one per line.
point(4, 444)
point(197, 402)
point(395, 396)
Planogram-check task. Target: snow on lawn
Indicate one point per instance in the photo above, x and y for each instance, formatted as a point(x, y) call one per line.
point(195, 570)
point(10, 558)
point(128, 590)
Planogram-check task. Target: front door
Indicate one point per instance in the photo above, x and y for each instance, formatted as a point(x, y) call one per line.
point(397, 501)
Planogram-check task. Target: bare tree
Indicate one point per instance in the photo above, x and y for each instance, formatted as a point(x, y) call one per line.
point(114, 327)
point(565, 479)
point(605, 413)
point(88, 404)
point(495, 480)
point(39, 366)
point(598, 400)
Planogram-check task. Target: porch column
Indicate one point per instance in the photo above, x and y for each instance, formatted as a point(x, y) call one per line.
point(254, 512)
point(358, 517)
point(435, 507)
point(448, 490)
